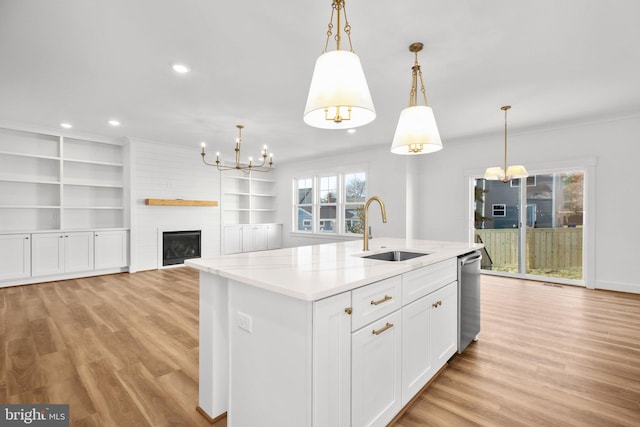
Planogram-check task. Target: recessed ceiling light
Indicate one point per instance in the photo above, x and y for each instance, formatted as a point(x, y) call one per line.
point(351, 130)
point(114, 123)
point(66, 125)
point(181, 68)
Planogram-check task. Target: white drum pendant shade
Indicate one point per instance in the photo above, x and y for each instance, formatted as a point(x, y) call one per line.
point(416, 126)
point(338, 80)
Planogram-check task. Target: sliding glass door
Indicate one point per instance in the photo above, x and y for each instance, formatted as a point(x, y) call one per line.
point(532, 227)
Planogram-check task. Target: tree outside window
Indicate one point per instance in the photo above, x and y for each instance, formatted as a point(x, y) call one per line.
point(355, 190)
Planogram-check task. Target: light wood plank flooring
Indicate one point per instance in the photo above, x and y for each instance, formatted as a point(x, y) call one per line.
point(123, 351)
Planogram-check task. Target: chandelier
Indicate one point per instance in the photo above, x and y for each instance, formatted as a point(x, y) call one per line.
point(417, 132)
point(508, 173)
point(245, 167)
point(339, 96)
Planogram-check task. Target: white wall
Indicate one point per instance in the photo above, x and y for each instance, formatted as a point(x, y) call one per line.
point(615, 145)
point(164, 171)
point(385, 178)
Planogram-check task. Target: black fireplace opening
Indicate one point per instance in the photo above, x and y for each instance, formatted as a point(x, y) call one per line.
point(180, 245)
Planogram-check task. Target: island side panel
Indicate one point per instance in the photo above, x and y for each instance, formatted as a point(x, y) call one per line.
point(270, 338)
point(214, 345)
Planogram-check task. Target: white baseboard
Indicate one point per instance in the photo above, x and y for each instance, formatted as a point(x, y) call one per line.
point(618, 286)
point(55, 278)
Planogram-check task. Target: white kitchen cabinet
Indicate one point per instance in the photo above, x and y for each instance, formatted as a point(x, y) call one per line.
point(376, 371)
point(55, 253)
point(47, 253)
point(274, 236)
point(78, 251)
point(15, 256)
point(444, 321)
point(254, 238)
point(110, 249)
point(232, 239)
point(251, 237)
point(417, 366)
point(332, 361)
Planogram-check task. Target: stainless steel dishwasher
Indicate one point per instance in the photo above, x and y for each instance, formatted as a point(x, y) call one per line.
point(468, 299)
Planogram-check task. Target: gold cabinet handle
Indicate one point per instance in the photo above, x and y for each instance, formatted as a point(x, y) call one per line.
point(348, 310)
point(381, 330)
point(386, 298)
point(436, 304)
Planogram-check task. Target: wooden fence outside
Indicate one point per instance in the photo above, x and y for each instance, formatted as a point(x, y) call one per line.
point(550, 248)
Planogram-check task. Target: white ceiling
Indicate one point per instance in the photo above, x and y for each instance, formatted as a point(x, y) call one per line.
point(83, 61)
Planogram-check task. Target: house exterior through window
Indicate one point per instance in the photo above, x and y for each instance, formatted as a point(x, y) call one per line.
point(329, 204)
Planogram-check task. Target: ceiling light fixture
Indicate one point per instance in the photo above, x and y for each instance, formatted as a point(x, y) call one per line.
point(181, 68)
point(66, 125)
point(248, 167)
point(512, 172)
point(338, 95)
point(417, 131)
point(114, 123)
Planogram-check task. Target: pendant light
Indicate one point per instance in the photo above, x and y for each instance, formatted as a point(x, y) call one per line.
point(512, 172)
point(339, 96)
point(417, 132)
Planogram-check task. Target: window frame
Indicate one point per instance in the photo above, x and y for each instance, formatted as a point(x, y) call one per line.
point(340, 203)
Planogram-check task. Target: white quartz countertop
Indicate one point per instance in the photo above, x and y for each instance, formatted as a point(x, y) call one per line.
point(314, 272)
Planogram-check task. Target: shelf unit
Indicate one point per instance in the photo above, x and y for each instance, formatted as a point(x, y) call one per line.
point(246, 199)
point(52, 182)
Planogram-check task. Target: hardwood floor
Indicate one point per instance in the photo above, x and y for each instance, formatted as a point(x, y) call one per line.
point(548, 355)
point(122, 350)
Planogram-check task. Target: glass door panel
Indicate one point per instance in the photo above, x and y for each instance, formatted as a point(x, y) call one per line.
point(497, 220)
point(554, 232)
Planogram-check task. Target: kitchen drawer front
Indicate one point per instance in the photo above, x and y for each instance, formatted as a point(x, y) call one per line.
point(373, 301)
point(418, 283)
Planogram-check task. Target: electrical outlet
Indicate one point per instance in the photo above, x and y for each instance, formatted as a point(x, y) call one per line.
point(245, 322)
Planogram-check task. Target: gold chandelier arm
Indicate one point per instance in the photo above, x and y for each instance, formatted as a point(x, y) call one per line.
point(205, 162)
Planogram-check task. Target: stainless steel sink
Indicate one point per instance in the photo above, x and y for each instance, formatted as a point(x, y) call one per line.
point(395, 255)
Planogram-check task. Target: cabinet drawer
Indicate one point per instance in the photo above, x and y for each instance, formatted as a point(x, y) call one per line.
point(373, 301)
point(419, 283)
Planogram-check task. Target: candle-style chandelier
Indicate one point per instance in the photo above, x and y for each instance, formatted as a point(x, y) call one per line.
point(245, 167)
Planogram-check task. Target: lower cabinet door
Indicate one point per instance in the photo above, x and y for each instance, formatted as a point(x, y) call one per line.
point(444, 324)
point(47, 253)
point(417, 367)
point(332, 361)
point(111, 249)
point(376, 371)
point(15, 256)
point(78, 251)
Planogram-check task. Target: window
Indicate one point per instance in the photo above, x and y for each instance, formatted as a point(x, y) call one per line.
point(304, 204)
point(355, 191)
point(330, 204)
point(499, 209)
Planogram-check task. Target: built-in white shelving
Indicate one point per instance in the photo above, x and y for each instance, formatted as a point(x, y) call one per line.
point(51, 182)
point(247, 199)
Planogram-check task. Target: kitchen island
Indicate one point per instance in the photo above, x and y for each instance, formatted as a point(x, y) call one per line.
point(320, 336)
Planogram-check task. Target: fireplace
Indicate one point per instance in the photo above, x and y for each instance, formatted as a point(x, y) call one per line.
point(180, 245)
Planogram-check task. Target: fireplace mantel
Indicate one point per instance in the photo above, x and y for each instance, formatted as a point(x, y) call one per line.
point(180, 202)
